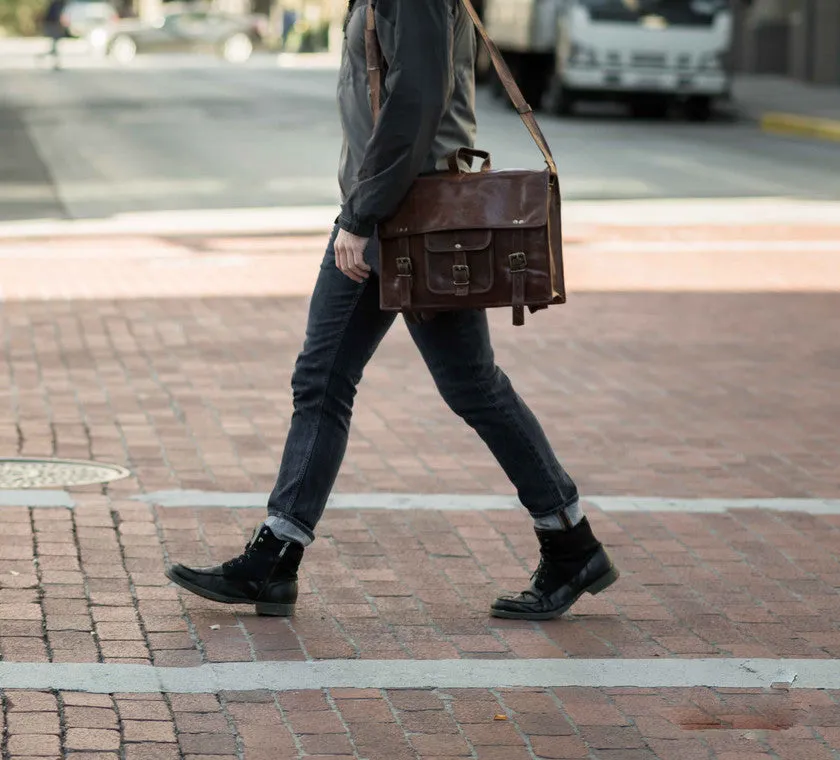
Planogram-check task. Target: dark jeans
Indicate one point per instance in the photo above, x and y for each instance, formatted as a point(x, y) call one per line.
point(345, 326)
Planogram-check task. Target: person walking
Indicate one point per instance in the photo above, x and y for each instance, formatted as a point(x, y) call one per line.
point(54, 28)
point(427, 112)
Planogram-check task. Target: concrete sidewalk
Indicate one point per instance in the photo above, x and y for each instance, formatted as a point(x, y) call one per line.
point(684, 417)
point(784, 106)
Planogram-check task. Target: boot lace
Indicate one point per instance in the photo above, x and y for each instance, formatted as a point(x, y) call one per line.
point(540, 575)
point(245, 557)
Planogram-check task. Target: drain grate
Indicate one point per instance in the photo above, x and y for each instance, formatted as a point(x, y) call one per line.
point(56, 473)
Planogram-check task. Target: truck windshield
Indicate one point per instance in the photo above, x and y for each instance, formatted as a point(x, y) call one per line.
point(666, 12)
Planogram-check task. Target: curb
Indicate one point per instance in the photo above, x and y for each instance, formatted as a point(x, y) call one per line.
point(287, 221)
point(304, 221)
point(801, 126)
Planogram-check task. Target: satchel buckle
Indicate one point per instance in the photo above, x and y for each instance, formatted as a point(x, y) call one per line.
point(518, 261)
point(403, 266)
point(461, 279)
point(461, 274)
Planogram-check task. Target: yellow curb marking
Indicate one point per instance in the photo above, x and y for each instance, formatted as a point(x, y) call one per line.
point(801, 126)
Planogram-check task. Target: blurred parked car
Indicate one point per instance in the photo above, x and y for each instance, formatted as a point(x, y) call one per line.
point(81, 17)
point(233, 38)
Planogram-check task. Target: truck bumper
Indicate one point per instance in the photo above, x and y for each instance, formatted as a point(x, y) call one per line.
point(635, 81)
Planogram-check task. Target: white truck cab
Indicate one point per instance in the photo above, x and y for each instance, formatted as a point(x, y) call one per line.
point(647, 53)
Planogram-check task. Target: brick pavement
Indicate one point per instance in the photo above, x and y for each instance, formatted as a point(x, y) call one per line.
point(499, 724)
point(414, 585)
point(643, 393)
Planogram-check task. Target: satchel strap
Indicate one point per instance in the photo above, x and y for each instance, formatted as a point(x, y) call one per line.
point(526, 113)
point(373, 55)
point(518, 270)
point(404, 276)
point(373, 58)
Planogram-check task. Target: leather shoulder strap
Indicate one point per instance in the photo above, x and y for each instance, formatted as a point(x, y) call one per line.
point(526, 113)
point(373, 56)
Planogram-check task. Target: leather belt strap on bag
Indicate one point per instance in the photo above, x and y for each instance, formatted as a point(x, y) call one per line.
point(404, 273)
point(461, 274)
point(518, 269)
point(518, 264)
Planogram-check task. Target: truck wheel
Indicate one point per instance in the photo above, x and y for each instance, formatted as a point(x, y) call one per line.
point(497, 89)
point(699, 108)
point(533, 77)
point(649, 108)
point(514, 62)
point(559, 99)
point(483, 65)
point(532, 92)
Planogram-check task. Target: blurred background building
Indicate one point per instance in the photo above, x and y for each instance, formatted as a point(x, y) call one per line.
point(799, 39)
point(304, 25)
point(794, 38)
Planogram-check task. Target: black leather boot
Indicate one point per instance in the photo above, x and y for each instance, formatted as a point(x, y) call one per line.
point(265, 575)
point(572, 562)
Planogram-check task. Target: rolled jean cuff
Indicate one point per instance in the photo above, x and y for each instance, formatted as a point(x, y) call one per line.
point(287, 528)
point(572, 503)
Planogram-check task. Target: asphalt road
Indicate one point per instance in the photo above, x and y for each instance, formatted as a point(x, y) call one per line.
point(93, 141)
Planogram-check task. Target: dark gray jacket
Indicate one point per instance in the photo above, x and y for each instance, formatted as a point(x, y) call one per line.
point(428, 103)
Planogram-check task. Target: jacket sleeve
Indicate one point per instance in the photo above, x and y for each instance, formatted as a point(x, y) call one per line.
point(414, 36)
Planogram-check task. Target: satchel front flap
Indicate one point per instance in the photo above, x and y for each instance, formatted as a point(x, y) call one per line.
point(459, 262)
point(506, 199)
point(450, 241)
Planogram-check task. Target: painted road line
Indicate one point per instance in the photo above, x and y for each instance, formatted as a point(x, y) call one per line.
point(431, 502)
point(676, 247)
point(712, 506)
point(398, 501)
point(33, 497)
point(419, 674)
point(483, 502)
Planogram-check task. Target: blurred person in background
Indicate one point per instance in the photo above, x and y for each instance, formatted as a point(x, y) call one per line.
point(428, 112)
point(55, 28)
point(290, 18)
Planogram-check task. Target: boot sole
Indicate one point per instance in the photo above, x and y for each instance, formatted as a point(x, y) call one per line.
point(271, 609)
point(596, 587)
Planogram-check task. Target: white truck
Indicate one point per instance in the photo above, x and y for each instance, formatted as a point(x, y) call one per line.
point(647, 53)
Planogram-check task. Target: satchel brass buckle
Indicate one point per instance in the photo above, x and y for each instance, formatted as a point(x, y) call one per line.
point(460, 274)
point(403, 266)
point(518, 261)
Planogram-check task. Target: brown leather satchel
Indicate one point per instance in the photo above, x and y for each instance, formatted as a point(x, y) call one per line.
point(472, 240)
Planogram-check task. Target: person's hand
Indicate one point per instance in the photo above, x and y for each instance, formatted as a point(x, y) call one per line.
point(350, 255)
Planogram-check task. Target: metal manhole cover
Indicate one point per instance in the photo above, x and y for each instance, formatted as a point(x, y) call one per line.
point(56, 473)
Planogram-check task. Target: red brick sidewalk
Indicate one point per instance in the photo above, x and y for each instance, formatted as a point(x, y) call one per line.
point(642, 394)
point(386, 585)
point(126, 352)
point(415, 585)
point(503, 724)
